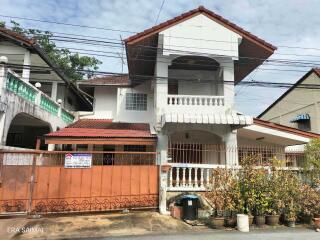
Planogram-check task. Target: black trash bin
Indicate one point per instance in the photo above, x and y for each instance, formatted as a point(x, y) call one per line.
point(190, 207)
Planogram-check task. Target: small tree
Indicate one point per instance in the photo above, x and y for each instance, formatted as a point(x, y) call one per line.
point(312, 162)
point(74, 66)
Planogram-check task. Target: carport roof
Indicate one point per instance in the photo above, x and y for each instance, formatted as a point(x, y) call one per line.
point(104, 128)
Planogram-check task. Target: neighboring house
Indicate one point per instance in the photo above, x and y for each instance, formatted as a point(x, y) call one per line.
point(28, 111)
point(178, 100)
point(299, 106)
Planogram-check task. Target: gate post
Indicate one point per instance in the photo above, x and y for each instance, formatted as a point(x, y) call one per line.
point(162, 148)
point(33, 175)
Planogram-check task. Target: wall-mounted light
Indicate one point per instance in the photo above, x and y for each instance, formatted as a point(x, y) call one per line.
point(3, 60)
point(59, 101)
point(37, 85)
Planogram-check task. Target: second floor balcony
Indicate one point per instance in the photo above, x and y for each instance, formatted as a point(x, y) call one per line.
point(195, 103)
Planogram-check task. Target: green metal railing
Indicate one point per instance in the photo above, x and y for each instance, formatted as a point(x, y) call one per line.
point(49, 105)
point(16, 85)
point(66, 117)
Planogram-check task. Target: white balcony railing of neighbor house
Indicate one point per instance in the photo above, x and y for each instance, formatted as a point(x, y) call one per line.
point(196, 101)
point(30, 93)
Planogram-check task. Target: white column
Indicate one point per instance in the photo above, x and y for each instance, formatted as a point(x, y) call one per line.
point(162, 146)
point(2, 78)
point(231, 148)
point(161, 82)
point(26, 68)
point(54, 90)
point(2, 96)
point(228, 86)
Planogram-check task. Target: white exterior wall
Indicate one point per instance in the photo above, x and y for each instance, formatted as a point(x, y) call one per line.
point(105, 102)
point(200, 34)
point(110, 103)
point(124, 115)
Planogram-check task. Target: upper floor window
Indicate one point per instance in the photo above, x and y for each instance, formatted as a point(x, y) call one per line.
point(136, 101)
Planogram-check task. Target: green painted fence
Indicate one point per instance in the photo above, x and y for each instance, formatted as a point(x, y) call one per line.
point(49, 105)
point(66, 117)
point(19, 87)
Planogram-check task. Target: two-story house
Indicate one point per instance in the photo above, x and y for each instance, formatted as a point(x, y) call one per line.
point(35, 96)
point(299, 106)
point(178, 100)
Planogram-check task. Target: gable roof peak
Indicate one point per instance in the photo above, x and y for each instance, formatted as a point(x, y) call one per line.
point(201, 9)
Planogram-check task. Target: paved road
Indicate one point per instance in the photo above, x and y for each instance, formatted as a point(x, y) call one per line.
point(290, 234)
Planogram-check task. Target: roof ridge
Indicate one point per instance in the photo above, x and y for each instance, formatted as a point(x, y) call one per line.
point(200, 9)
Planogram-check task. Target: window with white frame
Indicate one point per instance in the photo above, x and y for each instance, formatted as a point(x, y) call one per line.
point(136, 101)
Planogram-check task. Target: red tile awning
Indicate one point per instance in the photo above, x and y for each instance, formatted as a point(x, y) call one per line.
point(103, 131)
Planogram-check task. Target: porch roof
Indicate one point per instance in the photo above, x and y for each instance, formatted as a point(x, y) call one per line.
point(209, 118)
point(267, 132)
point(102, 131)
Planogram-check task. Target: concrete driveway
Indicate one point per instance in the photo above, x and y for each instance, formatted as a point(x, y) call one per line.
point(134, 225)
point(85, 226)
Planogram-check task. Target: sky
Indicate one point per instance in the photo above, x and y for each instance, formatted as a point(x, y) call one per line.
point(283, 23)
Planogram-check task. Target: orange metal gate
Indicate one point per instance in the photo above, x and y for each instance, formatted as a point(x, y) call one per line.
point(130, 180)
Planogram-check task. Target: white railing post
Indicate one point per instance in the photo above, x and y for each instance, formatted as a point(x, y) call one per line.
point(201, 177)
point(184, 177)
point(170, 177)
point(207, 177)
point(177, 177)
point(196, 177)
point(189, 180)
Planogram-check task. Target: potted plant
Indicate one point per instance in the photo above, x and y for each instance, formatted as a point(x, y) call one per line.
point(222, 197)
point(308, 199)
point(291, 214)
point(260, 208)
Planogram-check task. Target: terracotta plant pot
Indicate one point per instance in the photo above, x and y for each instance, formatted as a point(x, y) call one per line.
point(231, 222)
point(251, 220)
point(317, 222)
point(272, 220)
point(260, 220)
point(217, 222)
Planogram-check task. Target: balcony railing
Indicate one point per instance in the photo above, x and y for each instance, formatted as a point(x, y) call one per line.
point(32, 94)
point(21, 88)
point(196, 100)
point(189, 177)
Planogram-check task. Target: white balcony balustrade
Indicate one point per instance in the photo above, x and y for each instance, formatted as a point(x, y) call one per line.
point(196, 101)
point(189, 177)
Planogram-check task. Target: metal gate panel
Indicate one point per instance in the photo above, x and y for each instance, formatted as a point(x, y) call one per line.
point(59, 189)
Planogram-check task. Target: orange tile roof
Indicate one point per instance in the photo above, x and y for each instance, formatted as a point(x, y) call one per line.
point(104, 128)
point(118, 80)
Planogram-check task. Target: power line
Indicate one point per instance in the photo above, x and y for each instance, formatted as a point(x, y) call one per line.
point(201, 81)
point(163, 1)
point(127, 31)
